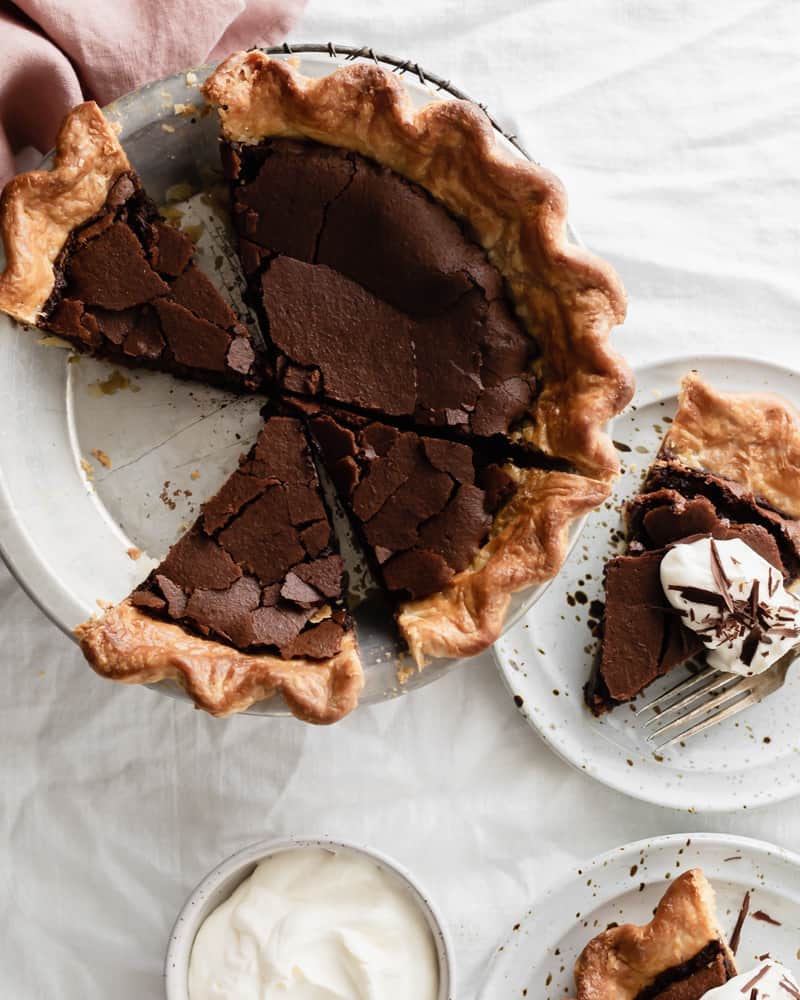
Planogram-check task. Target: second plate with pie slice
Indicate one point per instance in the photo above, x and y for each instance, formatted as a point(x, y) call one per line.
point(626, 884)
point(546, 659)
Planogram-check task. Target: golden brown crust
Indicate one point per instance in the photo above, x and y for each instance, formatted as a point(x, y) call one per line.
point(619, 963)
point(750, 438)
point(528, 545)
point(39, 210)
point(568, 299)
point(129, 646)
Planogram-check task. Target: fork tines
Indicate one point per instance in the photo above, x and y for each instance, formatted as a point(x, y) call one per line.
point(709, 697)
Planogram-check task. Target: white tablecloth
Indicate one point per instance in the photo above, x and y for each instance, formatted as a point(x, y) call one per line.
point(675, 126)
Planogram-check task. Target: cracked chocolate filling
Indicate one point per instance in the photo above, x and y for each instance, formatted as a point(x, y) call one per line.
point(127, 289)
point(422, 506)
point(642, 636)
point(259, 569)
point(370, 294)
point(693, 979)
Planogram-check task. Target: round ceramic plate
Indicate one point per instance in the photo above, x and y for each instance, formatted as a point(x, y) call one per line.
point(625, 885)
point(102, 470)
point(546, 658)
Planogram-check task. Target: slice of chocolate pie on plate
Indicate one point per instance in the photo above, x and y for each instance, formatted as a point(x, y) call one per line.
point(713, 542)
point(680, 955)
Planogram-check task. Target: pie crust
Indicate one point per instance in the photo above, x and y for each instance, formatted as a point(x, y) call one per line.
point(752, 439)
point(619, 963)
point(39, 209)
point(129, 646)
point(567, 299)
point(528, 545)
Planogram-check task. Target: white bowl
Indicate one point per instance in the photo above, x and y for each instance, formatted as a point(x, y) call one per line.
point(218, 885)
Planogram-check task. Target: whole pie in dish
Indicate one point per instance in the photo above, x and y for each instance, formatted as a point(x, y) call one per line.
point(728, 469)
point(416, 291)
point(680, 955)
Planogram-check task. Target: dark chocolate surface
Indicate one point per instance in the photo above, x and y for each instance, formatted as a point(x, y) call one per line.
point(732, 501)
point(372, 295)
point(127, 289)
point(260, 562)
point(415, 500)
point(642, 636)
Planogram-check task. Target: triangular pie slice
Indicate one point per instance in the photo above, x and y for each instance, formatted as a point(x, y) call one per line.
point(680, 955)
point(249, 600)
point(729, 467)
point(403, 264)
point(89, 258)
point(451, 531)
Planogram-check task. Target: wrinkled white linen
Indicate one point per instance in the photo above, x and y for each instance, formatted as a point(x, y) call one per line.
point(675, 126)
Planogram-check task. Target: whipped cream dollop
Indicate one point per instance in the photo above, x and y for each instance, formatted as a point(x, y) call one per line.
point(735, 600)
point(770, 980)
point(315, 924)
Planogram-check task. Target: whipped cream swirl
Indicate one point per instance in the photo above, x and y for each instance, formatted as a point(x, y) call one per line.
point(735, 600)
point(315, 924)
point(768, 981)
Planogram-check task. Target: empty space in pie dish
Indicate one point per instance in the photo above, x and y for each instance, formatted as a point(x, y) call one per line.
point(128, 457)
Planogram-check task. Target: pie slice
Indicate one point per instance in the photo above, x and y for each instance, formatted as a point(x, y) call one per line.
point(422, 506)
point(450, 531)
point(90, 259)
point(728, 468)
point(249, 601)
point(680, 955)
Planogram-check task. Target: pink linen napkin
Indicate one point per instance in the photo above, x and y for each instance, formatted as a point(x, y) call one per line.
point(55, 53)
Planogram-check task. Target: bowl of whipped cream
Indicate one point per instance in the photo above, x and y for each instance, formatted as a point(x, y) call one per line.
point(306, 919)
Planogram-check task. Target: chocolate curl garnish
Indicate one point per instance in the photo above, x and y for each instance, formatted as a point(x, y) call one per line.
point(699, 595)
point(790, 988)
point(737, 930)
point(720, 577)
point(750, 645)
point(759, 975)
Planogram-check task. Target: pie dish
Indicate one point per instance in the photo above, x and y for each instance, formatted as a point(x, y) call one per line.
point(680, 955)
point(728, 468)
point(492, 335)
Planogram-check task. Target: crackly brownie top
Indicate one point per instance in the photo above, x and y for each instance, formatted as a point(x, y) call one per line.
point(422, 506)
point(372, 294)
point(259, 567)
point(126, 287)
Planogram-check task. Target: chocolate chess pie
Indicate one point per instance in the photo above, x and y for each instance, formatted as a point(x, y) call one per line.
point(417, 297)
point(728, 469)
point(680, 955)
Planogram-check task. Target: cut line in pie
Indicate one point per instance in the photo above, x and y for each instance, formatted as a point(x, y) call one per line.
point(415, 287)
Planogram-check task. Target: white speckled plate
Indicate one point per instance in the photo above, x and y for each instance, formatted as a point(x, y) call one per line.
point(624, 886)
point(70, 524)
point(545, 659)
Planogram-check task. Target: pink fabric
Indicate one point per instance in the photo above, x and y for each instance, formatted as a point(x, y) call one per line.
point(55, 53)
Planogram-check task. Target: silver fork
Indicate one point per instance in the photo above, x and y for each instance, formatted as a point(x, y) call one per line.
point(710, 697)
